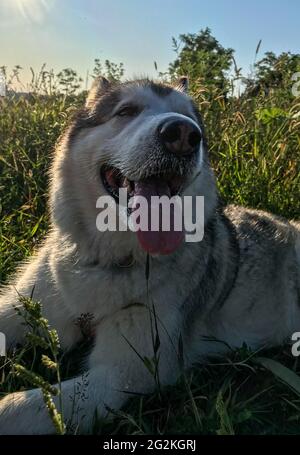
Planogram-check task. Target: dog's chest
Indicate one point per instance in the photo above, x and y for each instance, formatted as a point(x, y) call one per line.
point(101, 292)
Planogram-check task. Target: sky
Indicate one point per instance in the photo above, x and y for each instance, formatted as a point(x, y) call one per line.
point(72, 33)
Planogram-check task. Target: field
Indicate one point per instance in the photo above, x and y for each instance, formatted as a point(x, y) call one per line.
point(255, 150)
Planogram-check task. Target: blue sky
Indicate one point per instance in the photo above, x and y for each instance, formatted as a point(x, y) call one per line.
point(71, 33)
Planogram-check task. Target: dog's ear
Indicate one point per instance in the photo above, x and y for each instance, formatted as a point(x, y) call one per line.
point(182, 84)
point(99, 86)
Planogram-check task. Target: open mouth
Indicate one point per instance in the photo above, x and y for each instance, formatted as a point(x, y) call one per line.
point(153, 240)
point(158, 185)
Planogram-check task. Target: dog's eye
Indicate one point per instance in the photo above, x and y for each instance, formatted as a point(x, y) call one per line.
point(127, 111)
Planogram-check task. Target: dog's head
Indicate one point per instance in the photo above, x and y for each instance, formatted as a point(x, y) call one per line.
point(143, 136)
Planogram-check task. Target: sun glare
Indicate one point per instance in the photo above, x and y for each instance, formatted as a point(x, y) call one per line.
point(30, 10)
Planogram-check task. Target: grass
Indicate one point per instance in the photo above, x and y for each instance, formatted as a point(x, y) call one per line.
point(254, 148)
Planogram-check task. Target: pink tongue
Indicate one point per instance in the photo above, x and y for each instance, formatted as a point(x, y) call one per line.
point(157, 242)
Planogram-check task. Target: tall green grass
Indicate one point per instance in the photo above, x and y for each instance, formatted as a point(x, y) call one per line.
point(29, 129)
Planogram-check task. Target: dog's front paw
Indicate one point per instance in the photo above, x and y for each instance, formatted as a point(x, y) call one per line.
point(24, 413)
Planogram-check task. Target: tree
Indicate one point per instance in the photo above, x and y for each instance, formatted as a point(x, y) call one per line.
point(272, 73)
point(204, 60)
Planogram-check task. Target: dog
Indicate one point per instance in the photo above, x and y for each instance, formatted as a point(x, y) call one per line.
point(240, 284)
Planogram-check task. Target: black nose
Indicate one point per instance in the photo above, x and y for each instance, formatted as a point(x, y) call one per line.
point(181, 137)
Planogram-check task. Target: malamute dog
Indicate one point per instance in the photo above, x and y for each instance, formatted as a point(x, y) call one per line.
point(241, 283)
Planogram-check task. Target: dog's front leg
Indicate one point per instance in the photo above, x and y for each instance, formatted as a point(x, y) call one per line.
point(26, 412)
point(116, 369)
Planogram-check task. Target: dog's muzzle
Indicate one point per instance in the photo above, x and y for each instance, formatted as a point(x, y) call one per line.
point(173, 148)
